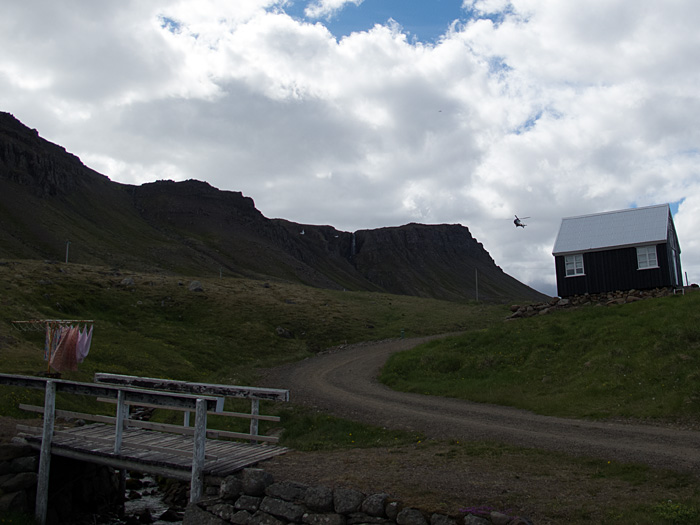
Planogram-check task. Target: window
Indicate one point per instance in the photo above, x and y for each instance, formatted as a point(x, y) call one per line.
point(646, 257)
point(574, 265)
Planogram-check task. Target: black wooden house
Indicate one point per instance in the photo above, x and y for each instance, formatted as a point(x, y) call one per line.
point(618, 250)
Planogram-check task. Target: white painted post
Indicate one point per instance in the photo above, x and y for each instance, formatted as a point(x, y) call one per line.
point(42, 488)
point(119, 423)
point(199, 451)
point(254, 411)
point(121, 415)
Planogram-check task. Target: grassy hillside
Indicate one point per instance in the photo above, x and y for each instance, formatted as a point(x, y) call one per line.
point(639, 360)
point(158, 327)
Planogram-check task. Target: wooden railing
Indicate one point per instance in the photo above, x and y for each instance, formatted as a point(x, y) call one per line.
point(254, 394)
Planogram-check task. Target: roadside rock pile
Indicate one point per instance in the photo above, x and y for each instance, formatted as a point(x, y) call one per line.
point(253, 498)
point(600, 299)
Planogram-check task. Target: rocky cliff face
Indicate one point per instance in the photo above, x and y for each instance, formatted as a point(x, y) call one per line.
point(42, 167)
point(47, 197)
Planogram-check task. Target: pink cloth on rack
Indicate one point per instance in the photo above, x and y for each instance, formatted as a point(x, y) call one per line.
point(64, 358)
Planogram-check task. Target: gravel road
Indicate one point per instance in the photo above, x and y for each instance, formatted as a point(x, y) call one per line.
point(343, 382)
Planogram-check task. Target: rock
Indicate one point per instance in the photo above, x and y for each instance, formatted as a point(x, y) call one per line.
point(346, 501)
point(224, 510)
point(21, 481)
point(282, 509)
point(283, 332)
point(360, 518)
point(409, 516)
point(324, 519)
point(15, 501)
point(230, 488)
point(196, 515)
point(287, 490)
point(319, 499)
point(144, 516)
point(9, 452)
point(127, 281)
point(392, 509)
point(518, 520)
point(241, 517)
point(195, 286)
point(171, 515)
point(439, 519)
point(25, 464)
point(498, 518)
point(470, 519)
point(255, 481)
point(374, 505)
point(248, 503)
point(261, 518)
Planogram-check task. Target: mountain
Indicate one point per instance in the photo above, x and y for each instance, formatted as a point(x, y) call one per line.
point(52, 205)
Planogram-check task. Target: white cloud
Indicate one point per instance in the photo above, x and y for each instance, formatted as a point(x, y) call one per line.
point(327, 8)
point(546, 109)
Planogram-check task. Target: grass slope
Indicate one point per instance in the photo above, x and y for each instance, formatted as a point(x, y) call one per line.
point(157, 327)
point(639, 360)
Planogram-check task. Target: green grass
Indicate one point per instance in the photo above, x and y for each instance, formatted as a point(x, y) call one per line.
point(159, 328)
point(639, 360)
point(307, 430)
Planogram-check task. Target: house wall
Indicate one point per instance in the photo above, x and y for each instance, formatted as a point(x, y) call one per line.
point(671, 245)
point(612, 270)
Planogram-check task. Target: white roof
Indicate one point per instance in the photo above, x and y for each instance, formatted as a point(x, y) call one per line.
point(613, 229)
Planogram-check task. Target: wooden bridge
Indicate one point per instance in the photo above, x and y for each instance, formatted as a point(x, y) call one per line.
point(178, 452)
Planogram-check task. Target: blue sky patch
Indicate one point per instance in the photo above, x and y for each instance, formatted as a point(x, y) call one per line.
point(422, 21)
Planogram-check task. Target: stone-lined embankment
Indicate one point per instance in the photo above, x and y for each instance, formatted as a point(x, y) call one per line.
point(252, 497)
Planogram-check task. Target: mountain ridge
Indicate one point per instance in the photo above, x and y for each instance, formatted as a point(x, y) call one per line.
point(49, 197)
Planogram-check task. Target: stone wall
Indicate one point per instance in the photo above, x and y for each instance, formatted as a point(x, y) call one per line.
point(18, 468)
point(75, 487)
point(252, 497)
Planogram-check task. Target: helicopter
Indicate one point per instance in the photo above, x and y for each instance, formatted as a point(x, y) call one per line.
point(519, 222)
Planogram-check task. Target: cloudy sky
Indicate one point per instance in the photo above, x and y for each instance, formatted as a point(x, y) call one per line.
point(372, 113)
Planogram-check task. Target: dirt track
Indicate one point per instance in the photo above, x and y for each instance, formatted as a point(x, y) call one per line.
point(343, 382)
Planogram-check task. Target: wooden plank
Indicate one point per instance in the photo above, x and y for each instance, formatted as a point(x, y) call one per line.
point(247, 392)
point(164, 427)
point(161, 447)
point(242, 415)
point(42, 487)
point(119, 422)
point(135, 395)
point(69, 414)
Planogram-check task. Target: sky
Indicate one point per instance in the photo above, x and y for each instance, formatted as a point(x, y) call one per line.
point(364, 114)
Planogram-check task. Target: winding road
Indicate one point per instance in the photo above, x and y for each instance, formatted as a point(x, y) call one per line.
point(344, 383)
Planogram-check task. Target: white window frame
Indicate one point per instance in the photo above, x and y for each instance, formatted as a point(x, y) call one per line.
point(573, 265)
point(647, 258)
